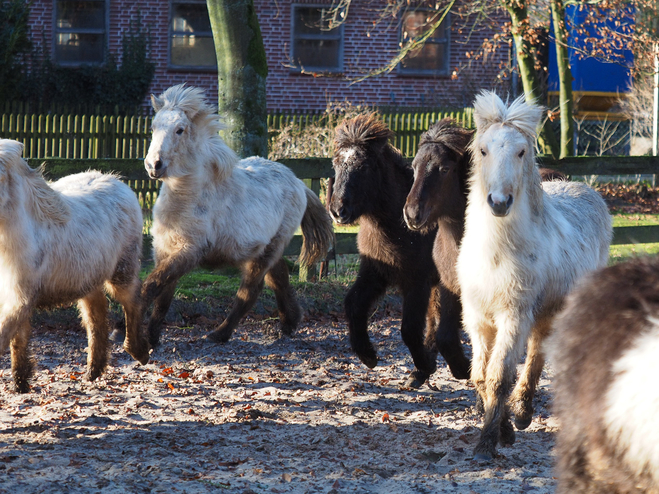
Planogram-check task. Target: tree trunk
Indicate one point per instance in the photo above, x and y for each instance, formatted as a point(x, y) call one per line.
point(242, 69)
point(566, 104)
point(526, 63)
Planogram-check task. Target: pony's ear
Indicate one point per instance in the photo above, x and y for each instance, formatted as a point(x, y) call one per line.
point(488, 110)
point(156, 102)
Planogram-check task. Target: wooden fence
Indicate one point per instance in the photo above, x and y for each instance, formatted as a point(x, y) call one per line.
point(64, 135)
point(314, 169)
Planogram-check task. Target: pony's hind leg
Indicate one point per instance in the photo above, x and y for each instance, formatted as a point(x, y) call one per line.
point(161, 306)
point(128, 295)
point(94, 311)
point(22, 365)
point(412, 328)
point(448, 334)
point(251, 285)
point(369, 286)
point(290, 313)
point(521, 400)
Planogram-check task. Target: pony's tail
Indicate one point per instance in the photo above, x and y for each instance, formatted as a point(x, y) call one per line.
point(317, 231)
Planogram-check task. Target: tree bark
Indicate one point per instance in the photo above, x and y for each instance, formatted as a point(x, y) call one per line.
point(526, 63)
point(242, 69)
point(566, 103)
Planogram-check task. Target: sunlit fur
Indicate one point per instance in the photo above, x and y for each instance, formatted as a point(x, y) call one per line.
point(604, 352)
point(216, 209)
point(515, 268)
point(62, 243)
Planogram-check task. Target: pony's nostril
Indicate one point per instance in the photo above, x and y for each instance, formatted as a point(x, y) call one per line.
point(499, 208)
point(158, 164)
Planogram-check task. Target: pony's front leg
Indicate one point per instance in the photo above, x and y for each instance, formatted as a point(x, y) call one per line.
point(448, 334)
point(159, 288)
point(369, 286)
point(521, 400)
point(94, 311)
point(511, 336)
point(22, 366)
point(412, 328)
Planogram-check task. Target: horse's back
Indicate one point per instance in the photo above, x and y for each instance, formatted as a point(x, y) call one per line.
point(586, 214)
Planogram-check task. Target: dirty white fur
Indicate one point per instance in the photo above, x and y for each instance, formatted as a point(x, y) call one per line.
point(209, 196)
point(514, 270)
point(632, 403)
point(60, 242)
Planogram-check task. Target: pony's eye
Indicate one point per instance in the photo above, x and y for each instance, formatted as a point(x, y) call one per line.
point(483, 152)
point(521, 153)
point(443, 169)
point(179, 131)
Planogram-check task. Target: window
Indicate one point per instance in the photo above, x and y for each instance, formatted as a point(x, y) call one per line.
point(314, 46)
point(191, 37)
point(80, 31)
point(433, 56)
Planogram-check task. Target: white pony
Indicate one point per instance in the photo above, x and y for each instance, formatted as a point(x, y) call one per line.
point(215, 209)
point(525, 244)
point(63, 243)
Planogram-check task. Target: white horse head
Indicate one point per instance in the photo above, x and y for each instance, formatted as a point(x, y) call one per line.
point(503, 149)
point(180, 142)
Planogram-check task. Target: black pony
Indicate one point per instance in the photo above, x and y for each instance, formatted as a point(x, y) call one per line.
point(372, 181)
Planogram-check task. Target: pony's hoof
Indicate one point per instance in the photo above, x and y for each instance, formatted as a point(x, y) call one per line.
point(141, 356)
point(22, 386)
point(93, 374)
point(523, 421)
point(218, 336)
point(369, 361)
point(506, 434)
point(416, 380)
point(118, 336)
point(287, 329)
point(523, 412)
point(483, 457)
point(461, 371)
point(483, 452)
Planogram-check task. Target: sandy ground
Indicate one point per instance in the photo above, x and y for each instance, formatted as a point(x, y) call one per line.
point(261, 414)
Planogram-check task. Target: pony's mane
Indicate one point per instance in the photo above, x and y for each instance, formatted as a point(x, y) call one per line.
point(362, 130)
point(365, 130)
point(44, 202)
point(448, 133)
point(192, 101)
point(489, 109)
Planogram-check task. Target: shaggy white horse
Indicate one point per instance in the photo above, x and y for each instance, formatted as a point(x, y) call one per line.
point(525, 244)
point(215, 209)
point(63, 243)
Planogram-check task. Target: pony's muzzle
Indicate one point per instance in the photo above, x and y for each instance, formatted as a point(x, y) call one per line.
point(340, 214)
point(413, 217)
point(155, 170)
point(500, 206)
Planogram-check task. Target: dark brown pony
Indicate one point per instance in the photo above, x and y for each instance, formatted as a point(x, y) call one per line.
point(372, 181)
point(438, 200)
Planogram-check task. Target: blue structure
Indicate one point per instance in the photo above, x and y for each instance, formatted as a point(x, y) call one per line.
point(591, 76)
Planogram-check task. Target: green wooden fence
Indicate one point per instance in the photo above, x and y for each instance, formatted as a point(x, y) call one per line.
point(316, 168)
point(84, 136)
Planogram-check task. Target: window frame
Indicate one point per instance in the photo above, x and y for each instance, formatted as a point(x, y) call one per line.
point(446, 42)
point(104, 31)
point(296, 66)
point(170, 37)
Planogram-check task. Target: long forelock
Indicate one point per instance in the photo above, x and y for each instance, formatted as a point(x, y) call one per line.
point(362, 130)
point(489, 109)
point(192, 101)
point(447, 133)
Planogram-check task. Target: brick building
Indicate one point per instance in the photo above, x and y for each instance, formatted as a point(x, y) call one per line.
point(308, 65)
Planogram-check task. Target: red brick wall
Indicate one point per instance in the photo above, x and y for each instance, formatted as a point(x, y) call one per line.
point(287, 89)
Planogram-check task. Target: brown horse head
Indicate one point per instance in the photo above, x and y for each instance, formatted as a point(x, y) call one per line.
point(441, 167)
